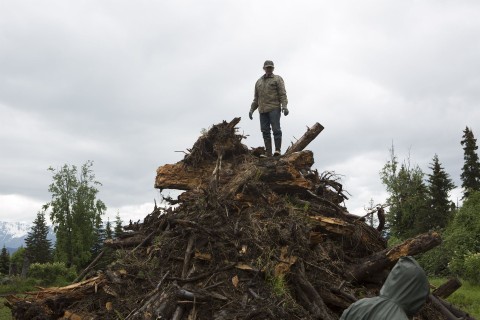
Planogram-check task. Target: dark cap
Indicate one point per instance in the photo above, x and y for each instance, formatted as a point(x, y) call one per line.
point(268, 63)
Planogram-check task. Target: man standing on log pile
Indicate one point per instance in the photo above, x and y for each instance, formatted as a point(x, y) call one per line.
point(271, 99)
point(402, 295)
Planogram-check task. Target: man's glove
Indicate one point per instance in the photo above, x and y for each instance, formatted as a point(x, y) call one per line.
point(285, 111)
point(250, 114)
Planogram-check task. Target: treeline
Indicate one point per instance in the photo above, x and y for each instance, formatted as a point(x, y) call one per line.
point(76, 215)
point(419, 202)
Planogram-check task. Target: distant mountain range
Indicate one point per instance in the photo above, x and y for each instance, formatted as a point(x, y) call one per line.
point(13, 234)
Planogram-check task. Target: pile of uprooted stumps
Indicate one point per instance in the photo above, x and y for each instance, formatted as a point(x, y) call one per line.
point(250, 238)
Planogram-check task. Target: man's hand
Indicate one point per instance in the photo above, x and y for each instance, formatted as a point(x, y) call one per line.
point(285, 111)
point(250, 114)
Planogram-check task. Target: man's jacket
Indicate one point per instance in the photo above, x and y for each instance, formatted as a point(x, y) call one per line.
point(402, 295)
point(269, 94)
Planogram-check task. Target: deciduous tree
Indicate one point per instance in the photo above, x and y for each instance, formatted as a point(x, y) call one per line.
point(462, 236)
point(75, 211)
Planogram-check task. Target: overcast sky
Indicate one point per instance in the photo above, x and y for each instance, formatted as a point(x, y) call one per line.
point(128, 83)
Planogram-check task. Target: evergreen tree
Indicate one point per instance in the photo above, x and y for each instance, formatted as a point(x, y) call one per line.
point(75, 211)
point(407, 197)
point(4, 261)
point(471, 167)
point(108, 230)
point(118, 230)
point(100, 238)
point(440, 208)
point(38, 247)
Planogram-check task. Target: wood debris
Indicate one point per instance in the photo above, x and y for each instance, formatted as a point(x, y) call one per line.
point(250, 238)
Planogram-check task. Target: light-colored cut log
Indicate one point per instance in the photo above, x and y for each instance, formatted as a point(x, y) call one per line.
point(307, 137)
point(387, 258)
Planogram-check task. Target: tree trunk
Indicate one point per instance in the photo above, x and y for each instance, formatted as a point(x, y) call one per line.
point(388, 257)
point(307, 137)
point(446, 289)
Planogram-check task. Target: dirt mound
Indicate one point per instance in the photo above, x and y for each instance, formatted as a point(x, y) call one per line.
point(250, 238)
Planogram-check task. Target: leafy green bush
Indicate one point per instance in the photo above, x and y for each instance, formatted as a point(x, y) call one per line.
point(435, 261)
point(52, 273)
point(472, 267)
point(16, 285)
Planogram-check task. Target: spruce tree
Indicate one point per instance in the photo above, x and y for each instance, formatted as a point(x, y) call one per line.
point(100, 238)
point(4, 261)
point(37, 247)
point(440, 208)
point(471, 167)
point(118, 230)
point(108, 230)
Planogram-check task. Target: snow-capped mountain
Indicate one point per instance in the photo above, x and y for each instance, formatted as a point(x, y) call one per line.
point(13, 234)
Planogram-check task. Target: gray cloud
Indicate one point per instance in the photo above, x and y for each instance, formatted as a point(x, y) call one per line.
point(127, 85)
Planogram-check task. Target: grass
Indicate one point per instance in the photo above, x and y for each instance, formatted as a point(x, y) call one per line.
point(5, 313)
point(18, 285)
point(15, 286)
point(467, 297)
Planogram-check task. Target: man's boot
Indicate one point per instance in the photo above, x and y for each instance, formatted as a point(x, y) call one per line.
point(268, 147)
point(278, 146)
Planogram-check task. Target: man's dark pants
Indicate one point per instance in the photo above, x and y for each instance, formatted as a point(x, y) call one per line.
point(271, 120)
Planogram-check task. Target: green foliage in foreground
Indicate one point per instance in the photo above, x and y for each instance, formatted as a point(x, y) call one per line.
point(17, 285)
point(52, 273)
point(5, 313)
point(466, 298)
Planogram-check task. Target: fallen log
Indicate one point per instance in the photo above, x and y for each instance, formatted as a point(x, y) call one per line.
point(55, 300)
point(305, 140)
point(388, 257)
point(446, 289)
point(308, 295)
point(457, 313)
point(448, 315)
point(282, 175)
point(127, 242)
point(333, 225)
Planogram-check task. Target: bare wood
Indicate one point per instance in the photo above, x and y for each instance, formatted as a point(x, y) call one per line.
point(129, 242)
point(234, 122)
point(459, 314)
point(446, 289)
point(308, 295)
point(148, 298)
point(281, 175)
point(71, 293)
point(159, 305)
point(145, 241)
point(388, 257)
point(188, 255)
point(327, 202)
point(447, 313)
point(333, 225)
point(307, 137)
